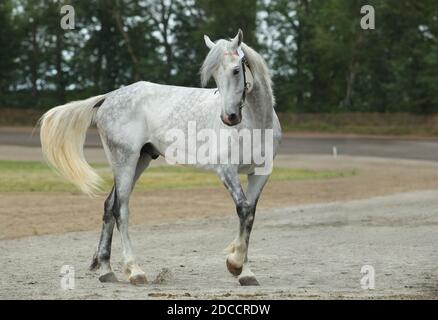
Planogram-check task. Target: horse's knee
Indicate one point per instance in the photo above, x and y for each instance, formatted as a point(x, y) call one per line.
point(243, 209)
point(246, 212)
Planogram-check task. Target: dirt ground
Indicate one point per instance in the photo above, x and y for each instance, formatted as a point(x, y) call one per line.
point(34, 213)
point(311, 251)
point(310, 239)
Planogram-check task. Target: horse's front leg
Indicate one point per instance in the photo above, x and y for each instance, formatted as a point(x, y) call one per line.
point(239, 247)
point(237, 259)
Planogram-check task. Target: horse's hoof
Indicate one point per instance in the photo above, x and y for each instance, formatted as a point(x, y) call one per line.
point(138, 279)
point(235, 271)
point(108, 277)
point(248, 281)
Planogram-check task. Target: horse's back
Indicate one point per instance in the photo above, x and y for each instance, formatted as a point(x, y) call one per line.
point(144, 111)
point(149, 98)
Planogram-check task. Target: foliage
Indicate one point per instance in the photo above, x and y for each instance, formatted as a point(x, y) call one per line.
point(321, 59)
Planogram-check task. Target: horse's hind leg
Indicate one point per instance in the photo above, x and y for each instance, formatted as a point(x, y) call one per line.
point(101, 259)
point(116, 202)
point(125, 177)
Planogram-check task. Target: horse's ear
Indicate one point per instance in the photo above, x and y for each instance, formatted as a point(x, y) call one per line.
point(210, 44)
point(237, 41)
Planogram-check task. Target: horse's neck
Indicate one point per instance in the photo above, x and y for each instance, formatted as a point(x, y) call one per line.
point(260, 106)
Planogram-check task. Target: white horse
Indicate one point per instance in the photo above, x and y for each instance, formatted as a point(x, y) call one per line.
point(133, 121)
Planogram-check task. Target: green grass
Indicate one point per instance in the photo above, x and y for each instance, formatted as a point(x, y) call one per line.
point(37, 176)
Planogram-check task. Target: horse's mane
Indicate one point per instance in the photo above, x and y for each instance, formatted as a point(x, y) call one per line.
point(256, 63)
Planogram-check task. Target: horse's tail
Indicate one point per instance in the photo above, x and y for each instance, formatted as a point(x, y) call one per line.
point(63, 130)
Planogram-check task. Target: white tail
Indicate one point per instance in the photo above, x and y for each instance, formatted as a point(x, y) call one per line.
point(63, 131)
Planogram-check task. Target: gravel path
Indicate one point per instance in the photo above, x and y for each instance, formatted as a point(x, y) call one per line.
point(312, 251)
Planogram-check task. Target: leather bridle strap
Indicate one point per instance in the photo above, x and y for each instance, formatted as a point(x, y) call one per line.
point(245, 65)
point(245, 84)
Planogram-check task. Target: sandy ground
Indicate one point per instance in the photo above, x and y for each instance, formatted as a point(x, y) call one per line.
point(34, 213)
point(313, 251)
point(310, 240)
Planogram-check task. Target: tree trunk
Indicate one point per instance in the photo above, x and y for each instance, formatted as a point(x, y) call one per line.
point(165, 16)
point(302, 9)
point(34, 64)
point(168, 50)
point(59, 75)
point(348, 100)
point(117, 17)
point(98, 70)
point(162, 25)
point(299, 61)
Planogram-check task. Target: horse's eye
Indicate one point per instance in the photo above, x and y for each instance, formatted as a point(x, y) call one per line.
point(236, 72)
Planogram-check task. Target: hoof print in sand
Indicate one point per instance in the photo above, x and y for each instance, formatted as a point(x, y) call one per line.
point(164, 277)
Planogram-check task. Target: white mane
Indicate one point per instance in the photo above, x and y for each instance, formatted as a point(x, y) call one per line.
point(256, 63)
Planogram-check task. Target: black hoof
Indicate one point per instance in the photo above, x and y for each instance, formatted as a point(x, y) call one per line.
point(248, 281)
point(109, 277)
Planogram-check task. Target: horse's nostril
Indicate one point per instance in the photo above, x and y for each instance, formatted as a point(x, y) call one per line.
point(232, 117)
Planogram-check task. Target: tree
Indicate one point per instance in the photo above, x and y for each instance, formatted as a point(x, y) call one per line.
point(321, 60)
point(9, 50)
point(224, 18)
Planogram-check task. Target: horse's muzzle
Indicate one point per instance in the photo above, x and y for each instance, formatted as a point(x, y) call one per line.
point(232, 119)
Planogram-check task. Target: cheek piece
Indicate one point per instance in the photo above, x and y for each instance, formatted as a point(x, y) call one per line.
point(247, 85)
point(245, 65)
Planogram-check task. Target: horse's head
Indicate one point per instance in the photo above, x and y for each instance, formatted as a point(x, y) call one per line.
point(227, 65)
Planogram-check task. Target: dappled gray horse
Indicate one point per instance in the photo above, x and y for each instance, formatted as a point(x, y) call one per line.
point(133, 123)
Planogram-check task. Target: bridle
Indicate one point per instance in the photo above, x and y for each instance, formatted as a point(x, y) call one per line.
point(245, 65)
